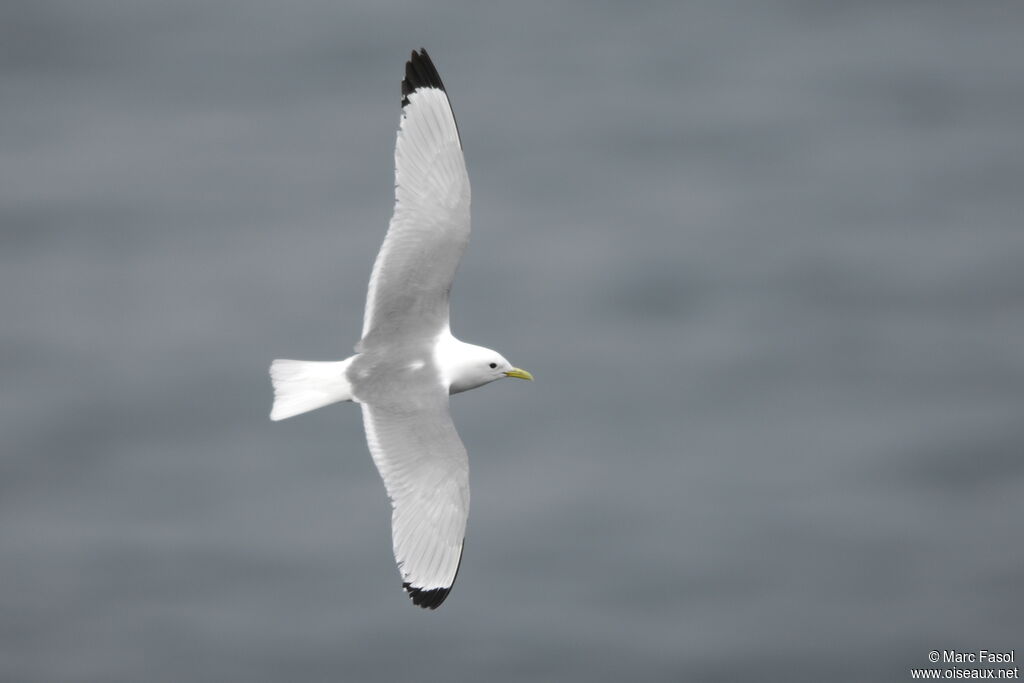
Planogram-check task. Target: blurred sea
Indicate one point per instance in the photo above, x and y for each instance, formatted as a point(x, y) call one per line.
point(766, 261)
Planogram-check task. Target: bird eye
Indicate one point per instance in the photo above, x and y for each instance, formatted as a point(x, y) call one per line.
point(494, 365)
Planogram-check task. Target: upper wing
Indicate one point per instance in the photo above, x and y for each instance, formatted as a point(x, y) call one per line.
point(426, 472)
point(413, 274)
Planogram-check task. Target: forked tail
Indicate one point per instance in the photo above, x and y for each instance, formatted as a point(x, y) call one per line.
point(304, 385)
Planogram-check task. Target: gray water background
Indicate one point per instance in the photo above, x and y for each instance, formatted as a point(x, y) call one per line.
point(764, 259)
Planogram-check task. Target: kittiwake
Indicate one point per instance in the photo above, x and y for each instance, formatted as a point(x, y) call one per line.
point(407, 361)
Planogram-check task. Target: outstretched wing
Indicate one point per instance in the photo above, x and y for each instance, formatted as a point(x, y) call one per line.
point(408, 293)
point(426, 472)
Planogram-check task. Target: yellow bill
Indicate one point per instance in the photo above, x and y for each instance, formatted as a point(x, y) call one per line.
point(520, 373)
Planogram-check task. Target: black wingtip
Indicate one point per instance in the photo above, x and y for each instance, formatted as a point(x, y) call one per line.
point(420, 72)
point(432, 599)
point(427, 599)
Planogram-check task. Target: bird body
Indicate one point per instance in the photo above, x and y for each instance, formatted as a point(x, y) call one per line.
point(408, 362)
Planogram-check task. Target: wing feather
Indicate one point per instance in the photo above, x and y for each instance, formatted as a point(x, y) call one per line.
point(426, 473)
point(428, 233)
point(408, 426)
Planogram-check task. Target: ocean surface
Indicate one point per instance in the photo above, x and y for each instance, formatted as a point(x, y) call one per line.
point(765, 260)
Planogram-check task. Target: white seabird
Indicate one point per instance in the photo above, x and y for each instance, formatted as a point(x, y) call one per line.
point(408, 362)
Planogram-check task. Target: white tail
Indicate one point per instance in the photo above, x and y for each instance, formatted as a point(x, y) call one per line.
point(304, 385)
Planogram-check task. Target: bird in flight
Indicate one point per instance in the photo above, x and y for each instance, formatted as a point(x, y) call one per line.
point(407, 361)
